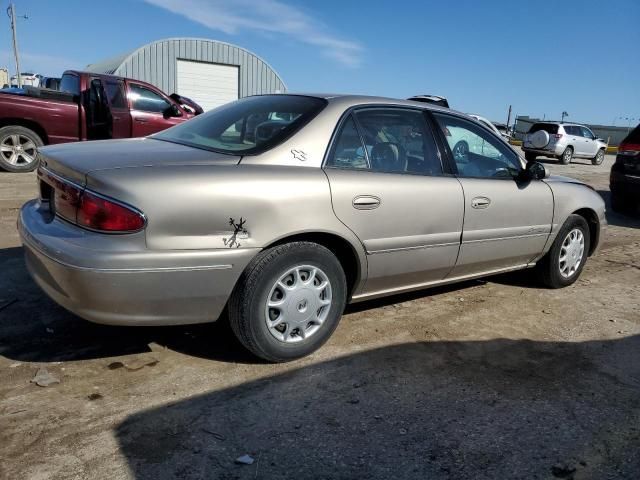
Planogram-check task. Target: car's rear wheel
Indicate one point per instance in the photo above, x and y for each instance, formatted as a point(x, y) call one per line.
point(530, 157)
point(18, 149)
point(288, 301)
point(599, 158)
point(564, 262)
point(566, 156)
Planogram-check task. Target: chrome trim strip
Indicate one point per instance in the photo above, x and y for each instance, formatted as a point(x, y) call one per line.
point(505, 238)
point(416, 247)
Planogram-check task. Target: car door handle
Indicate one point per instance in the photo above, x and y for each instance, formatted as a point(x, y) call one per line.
point(480, 202)
point(366, 202)
point(140, 120)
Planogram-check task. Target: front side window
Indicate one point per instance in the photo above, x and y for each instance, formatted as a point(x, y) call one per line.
point(475, 151)
point(249, 126)
point(586, 133)
point(146, 100)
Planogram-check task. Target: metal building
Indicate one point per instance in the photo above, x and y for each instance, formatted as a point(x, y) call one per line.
point(209, 72)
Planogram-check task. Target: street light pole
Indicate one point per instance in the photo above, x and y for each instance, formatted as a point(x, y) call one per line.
point(12, 15)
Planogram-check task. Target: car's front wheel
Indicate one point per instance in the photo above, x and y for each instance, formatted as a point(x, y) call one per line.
point(599, 158)
point(564, 262)
point(288, 301)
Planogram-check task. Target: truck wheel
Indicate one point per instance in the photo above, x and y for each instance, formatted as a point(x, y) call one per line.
point(288, 301)
point(18, 149)
point(599, 158)
point(530, 157)
point(567, 155)
point(562, 265)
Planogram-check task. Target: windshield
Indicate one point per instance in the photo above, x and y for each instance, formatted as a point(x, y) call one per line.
point(249, 126)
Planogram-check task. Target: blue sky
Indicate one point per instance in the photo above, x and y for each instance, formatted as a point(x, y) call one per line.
point(541, 57)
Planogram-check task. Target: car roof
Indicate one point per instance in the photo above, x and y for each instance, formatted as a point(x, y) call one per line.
point(561, 124)
point(348, 100)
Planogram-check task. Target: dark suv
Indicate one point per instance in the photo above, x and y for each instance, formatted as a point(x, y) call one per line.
point(625, 174)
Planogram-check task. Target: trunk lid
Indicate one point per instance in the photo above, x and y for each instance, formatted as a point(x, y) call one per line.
point(75, 160)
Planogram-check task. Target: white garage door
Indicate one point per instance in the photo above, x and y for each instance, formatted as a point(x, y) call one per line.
point(208, 84)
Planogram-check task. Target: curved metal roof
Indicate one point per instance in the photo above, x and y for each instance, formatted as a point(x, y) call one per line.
point(155, 63)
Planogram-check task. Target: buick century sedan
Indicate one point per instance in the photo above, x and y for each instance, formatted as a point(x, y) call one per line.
point(281, 209)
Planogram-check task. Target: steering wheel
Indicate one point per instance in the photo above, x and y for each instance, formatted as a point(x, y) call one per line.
point(460, 151)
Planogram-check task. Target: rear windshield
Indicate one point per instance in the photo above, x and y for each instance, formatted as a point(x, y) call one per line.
point(249, 126)
point(634, 136)
point(547, 127)
point(70, 83)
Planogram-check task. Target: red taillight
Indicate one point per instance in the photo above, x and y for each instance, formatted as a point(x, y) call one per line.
point(66, 198)
point(85, 208)
point(98, 213)
point(557, 136)
point(629, 147)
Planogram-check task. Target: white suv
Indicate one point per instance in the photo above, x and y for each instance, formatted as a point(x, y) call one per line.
point(563, 141)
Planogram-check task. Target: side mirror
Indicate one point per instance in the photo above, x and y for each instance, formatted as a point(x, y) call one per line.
point(536, 171)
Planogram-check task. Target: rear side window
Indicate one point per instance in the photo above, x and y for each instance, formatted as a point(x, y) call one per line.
point(395, 141)
point(70, 84)
point(550, 128)
point(348, 151)
point(249, 126)
point(571, 130)
point(115, 94)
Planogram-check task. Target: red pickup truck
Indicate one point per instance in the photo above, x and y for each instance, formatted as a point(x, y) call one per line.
point(88, 106)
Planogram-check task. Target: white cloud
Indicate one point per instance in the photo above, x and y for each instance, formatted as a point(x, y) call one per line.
point(266, 16)
point(46, 65)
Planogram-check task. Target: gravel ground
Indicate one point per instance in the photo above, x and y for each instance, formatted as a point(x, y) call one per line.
point(486, 379)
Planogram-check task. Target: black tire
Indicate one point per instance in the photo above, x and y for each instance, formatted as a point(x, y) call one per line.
point(7, 136)
point(549, 267)
point(567, 155)
point(599, 158)
point(530, 157)
point(249, 299)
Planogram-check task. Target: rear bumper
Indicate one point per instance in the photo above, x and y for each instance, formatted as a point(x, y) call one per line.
point(106, 279)
point(553, 152)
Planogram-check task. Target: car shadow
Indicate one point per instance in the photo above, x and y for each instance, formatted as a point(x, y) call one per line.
point(443, 409)
point(34, 328)
point(630, 219)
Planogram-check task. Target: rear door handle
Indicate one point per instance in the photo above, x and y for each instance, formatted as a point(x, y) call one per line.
point(366, 202)
point(140, 120)
point(480, 202)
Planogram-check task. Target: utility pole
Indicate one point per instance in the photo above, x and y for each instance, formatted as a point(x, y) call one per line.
point(509, 117)
point(564, 114)
point(11, 11)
